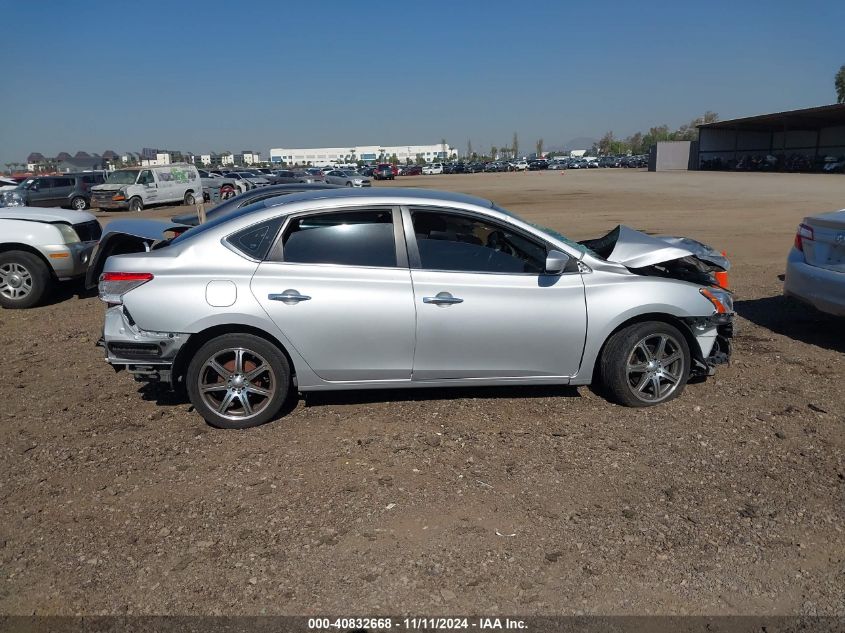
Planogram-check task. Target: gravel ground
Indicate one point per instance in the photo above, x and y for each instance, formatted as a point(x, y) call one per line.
point(118, 499)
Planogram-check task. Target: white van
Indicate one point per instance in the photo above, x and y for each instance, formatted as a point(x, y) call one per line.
point(141, 187)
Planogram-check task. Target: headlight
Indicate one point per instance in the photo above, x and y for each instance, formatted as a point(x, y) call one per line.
point(68, 234)
point(722, 300)
point(11, 199)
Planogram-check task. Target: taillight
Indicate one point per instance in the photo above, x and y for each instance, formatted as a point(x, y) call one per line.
point(804, 233)
point(113, 286)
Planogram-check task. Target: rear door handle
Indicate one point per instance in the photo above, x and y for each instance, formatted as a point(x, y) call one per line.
point(289, 297)
point(442, 299)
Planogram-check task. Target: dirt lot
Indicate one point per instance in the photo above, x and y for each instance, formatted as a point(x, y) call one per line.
point(118, 499)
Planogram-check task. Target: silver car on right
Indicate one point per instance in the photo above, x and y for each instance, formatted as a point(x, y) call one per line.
point(815, 267)
point(392, 287)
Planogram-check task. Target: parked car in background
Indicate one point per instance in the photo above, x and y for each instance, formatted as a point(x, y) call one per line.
point(251, 178)
point(402, 292)
point(384, 171)
point(432, 169)
point(411, 170)
point(7, 184)
point(538, 165)
point(520, 165)
point(41, 247)
point(141, 187)
point(558, 164)
point(224, 188)
point(72, 191)
point(317, 174)
point(815, 267)
point(347, 178)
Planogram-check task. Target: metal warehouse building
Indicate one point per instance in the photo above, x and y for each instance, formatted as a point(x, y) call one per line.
point(798, 140)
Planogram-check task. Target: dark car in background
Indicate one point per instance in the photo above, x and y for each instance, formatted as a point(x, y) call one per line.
point(70, 191)
point(384, 171)
point(411, 170)
point(538, 165)
point(248, 197)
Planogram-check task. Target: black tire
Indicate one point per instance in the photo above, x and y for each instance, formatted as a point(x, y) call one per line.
point(660, 378)
point(275, 380)
point(24, 279)
point(136, 204)
point(79, 203)
point(348, 184)
point(190, 199)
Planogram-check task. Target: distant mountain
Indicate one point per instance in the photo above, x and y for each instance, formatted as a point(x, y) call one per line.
point(582, 142)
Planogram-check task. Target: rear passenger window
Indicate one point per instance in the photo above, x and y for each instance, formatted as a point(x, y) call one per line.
point(351, 238)
point(256, 240)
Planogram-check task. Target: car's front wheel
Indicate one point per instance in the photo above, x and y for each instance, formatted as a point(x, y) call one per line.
point(136, 205)
point(190, 200)
point(645, 364)
point(237, 381)
point(24, 279)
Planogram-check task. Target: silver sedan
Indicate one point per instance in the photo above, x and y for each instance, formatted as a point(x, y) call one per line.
point(347, 178)
point(392, 288)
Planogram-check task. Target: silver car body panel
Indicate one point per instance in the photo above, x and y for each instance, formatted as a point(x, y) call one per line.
point(816, 275)
point(370, 327)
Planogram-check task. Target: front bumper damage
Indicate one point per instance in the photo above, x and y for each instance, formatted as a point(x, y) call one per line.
point(147, 355)
point(713, 335)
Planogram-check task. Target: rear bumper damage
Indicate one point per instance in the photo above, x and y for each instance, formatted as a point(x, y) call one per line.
point(147, 355)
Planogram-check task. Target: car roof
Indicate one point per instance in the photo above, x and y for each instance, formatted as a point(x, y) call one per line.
point(396, 194)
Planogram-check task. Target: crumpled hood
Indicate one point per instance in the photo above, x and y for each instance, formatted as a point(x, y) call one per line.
point(635, 249)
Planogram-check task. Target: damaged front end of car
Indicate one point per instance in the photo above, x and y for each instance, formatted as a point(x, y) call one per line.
point(683, 259)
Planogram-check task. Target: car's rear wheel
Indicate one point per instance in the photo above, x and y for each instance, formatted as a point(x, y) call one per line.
point(190, 200)
point(237, 381)
point(79, 203)
point(348, 184)
point(136, 204)
point(226, 192)
point(645, 364)
point(24, 279)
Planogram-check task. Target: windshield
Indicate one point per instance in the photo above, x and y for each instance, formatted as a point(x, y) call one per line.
point(122, 177)
point(555, 234)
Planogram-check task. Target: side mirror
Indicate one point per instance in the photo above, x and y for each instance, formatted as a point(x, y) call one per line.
point(556, 262)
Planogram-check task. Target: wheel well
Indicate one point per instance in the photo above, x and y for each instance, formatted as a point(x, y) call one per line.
point(682, 327)
point(195, 341)
point(15, 246)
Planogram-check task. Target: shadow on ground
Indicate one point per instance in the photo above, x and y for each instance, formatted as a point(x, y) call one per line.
point(369, 396)
point(795, 320)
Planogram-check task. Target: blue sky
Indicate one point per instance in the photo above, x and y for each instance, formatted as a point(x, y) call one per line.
point(212, 75)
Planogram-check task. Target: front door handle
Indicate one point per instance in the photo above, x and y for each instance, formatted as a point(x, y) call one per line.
point(442, 299)
point(289, 297)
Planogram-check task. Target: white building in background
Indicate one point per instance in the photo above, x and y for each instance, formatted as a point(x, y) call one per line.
point(227, 159)
point(205, 159)
point(162, 158)
point(369, 153)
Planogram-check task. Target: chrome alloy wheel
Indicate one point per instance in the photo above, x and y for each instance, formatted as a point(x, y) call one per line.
point(237, 383)
point(655, 367)
point(15, 281)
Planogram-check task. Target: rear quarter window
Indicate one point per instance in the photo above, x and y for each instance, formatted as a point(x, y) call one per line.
point(255, 241)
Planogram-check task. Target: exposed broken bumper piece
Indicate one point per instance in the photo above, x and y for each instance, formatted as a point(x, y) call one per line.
point(713, 334)
point(147, 355)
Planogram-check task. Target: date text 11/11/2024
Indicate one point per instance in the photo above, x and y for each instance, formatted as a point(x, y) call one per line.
point(421, 623)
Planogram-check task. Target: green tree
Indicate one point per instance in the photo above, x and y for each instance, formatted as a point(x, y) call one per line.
point(839, 82)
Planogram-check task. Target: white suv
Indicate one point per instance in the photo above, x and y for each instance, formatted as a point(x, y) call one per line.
point(434, 168)
point(40, 247)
